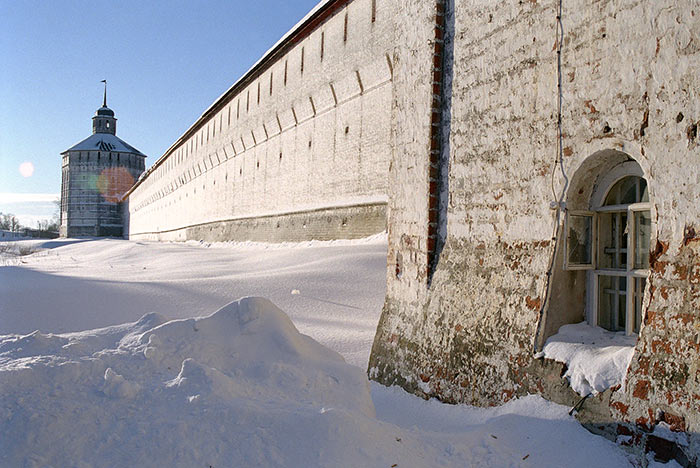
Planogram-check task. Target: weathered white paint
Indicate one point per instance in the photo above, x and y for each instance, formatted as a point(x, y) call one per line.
point(320, 140)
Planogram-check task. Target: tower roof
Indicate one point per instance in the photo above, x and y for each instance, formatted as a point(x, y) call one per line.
point(104, 110)
point(104, 142)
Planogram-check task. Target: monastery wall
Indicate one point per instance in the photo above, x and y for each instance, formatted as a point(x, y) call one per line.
point(467, 328)
point(297, 149)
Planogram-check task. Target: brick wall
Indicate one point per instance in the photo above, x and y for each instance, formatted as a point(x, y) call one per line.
point(630, 77)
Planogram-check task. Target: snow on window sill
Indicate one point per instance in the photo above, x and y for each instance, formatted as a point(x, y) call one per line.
point(596, 359)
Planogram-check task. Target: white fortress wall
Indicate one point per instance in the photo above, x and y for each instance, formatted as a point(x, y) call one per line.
point(307, 130)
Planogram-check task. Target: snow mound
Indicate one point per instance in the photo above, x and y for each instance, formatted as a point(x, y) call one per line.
point(597, 359)
point(205, 391)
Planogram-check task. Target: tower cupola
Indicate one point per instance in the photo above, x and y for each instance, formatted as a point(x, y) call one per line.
point(104, 120)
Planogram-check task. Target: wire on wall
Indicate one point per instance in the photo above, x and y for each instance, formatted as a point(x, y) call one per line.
point(559, 199)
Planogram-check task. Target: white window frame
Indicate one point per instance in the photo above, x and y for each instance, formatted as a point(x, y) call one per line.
point(593, 273)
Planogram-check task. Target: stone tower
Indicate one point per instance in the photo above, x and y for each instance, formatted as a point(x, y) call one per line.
point(96, 173)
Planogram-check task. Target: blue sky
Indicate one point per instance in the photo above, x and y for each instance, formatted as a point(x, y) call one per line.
point(165, 63)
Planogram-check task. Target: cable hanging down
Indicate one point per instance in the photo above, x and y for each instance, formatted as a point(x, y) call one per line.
point(558, 203)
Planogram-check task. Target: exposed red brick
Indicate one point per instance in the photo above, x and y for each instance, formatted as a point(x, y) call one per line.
point(431, 244)
point(458, 328)
point(507, 394)
point(641, 390)
point(590, 106)
point(533, 304)
point(676, 422)
point(624, 430)
point(621, 407)
point(664, 292)
point(650, 317)
point(659, 250)
point(643, 423)
point(681, 272)
point(425, 378)
point(568, 151)
point(684, 318)
point(644, 365)
point(660, 345)
point(659, 267)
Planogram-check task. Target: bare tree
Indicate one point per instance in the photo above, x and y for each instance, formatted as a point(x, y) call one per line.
point(9, 222)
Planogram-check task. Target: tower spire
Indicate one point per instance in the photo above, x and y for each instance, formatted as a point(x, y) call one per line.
point(104, 120)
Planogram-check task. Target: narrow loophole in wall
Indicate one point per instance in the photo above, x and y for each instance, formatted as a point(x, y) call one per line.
point(258, 92)
point(374, 11)
point(345, 28)
point(270, 83)
point(285, 72)
point(247, 101)
point(309, 143)
point(302, 60)
point(280, 156)
point(347, 130)
point(323, 35)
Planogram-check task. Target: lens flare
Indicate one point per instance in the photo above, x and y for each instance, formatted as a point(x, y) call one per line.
point(112, 183)
point(26, 169)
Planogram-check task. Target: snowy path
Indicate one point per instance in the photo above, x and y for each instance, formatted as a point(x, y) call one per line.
point(155, 392)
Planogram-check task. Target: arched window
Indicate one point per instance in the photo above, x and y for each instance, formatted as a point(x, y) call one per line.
point(612, 242)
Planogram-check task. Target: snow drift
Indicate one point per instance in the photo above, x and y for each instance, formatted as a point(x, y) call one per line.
point(236, 385)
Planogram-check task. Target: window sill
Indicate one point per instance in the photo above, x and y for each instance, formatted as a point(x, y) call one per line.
point(596, 359)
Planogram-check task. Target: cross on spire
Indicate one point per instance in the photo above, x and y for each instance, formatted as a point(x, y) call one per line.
point(104, 102)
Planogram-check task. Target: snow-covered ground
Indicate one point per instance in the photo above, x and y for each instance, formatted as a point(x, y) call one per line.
point(112, 380)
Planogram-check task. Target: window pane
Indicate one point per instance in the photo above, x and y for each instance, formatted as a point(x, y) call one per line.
point(621, 311)
point(625, 191)
point(612, 238)
point(579, 246)
point(642, 234)
point(606, 302)
point(612, 302)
